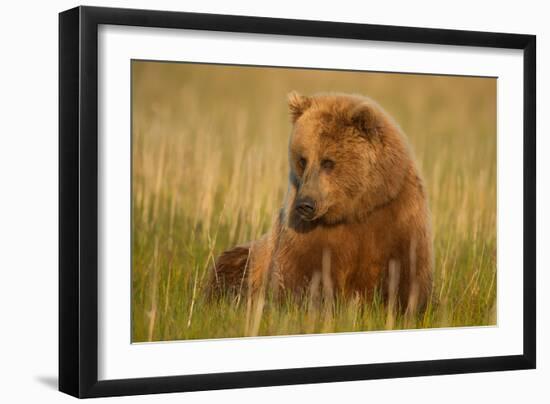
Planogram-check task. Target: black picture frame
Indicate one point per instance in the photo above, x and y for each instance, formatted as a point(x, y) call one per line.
point(78, 201)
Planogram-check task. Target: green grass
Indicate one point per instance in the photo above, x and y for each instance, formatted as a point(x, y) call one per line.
point(210, 171)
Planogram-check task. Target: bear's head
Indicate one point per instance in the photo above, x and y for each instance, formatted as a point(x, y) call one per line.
point(346, 156)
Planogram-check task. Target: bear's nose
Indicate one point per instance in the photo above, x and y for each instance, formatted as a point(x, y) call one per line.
point(306, 207)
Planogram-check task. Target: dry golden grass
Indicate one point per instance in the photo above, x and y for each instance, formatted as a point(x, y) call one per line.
point(210, 171)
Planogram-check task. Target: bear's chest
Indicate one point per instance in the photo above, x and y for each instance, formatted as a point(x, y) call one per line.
point(340, 252)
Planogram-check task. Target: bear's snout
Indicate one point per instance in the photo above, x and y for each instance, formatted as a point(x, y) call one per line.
point(306, 208)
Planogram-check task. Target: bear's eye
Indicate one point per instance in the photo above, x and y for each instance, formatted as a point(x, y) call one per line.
point(327, 164)
point(302, 163)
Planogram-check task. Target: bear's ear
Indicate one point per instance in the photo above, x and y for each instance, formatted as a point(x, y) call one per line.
point(297, 104)
point(364, 118)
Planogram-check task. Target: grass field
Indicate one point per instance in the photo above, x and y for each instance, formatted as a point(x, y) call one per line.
point(210, 171)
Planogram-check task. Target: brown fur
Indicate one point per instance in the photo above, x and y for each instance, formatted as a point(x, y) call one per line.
point(349, 157)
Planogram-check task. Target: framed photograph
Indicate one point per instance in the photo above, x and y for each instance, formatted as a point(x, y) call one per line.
point(251, 201)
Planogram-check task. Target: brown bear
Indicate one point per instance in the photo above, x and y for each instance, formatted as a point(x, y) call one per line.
point(356, 210)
